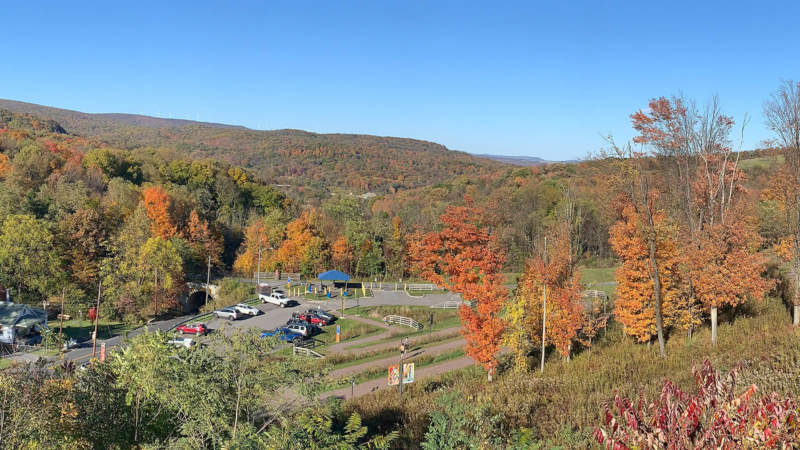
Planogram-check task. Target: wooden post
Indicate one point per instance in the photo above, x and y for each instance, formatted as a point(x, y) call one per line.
point(796, 320)
point(713, 325)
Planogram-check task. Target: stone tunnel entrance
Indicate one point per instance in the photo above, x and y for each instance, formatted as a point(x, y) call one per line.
point(194, 301)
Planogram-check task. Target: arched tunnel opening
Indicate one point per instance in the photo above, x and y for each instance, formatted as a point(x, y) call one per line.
point(194, 302)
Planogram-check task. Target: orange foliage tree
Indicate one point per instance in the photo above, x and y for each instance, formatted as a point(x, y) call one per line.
point(205, 241)
point(342, 254)
point(464, 258)
point(634, 307)
point(262, 234)
point(304, 250)
point(157, 204)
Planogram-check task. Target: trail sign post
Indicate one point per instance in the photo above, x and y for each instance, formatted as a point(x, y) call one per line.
point(338, 333)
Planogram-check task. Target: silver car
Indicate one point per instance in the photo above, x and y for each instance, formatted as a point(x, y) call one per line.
point(226, 313)
point(244, 308)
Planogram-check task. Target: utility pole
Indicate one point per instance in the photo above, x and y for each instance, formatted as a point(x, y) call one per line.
point(400, 372)
point(258, 271)
point(61, 317)
point(96, 319)
point(544, 306)
point(155, 291)
point(208, 277)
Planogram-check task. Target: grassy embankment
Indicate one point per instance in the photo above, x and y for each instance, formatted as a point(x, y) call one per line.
point(565, 402)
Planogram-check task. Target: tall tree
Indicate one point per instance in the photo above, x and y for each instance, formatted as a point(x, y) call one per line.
point(704, 188)
point(29, 261)
point(782, 112)
point(464, 258)
point(161, 260)
point(206, 242)
point(157, 204)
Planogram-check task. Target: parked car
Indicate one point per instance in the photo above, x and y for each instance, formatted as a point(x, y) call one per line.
point(246, 309)
point(315, 329)
point(276, 298)
point(181, 342)
point(284, 334)
point(226, 313)
point(197, 328)
point(305, 329)
point(312, 319)
point(323, 314)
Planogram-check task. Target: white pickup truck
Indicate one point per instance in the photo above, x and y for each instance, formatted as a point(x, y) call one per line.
point(276, 298)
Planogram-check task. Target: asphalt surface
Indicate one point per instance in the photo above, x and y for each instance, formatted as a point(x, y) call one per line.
point(271, 316)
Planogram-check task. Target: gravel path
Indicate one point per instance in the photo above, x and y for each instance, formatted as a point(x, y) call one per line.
point(379, 383)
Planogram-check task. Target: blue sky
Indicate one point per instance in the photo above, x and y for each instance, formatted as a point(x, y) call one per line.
point(528, 78)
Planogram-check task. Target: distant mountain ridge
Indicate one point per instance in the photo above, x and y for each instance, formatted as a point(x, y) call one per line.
point(83, 123)
point(521, 160)
point(313, 164)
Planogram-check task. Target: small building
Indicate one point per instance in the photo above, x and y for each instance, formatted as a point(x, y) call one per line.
point(20, 324)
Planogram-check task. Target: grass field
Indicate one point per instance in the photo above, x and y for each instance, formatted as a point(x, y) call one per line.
point(349, 328)
point(762, 162)
point(83, 328)
point(569, 395)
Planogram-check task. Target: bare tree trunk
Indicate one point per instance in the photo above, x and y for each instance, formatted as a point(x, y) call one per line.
point(544, 322)
point(544, 310)
point(713, 325)
point(656, 291)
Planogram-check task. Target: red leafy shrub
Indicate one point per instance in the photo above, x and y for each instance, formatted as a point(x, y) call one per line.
point(715, 417)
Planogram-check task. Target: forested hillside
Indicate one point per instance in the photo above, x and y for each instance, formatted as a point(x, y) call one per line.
point(311, 165)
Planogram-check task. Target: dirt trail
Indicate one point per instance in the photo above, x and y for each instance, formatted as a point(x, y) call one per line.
point(379, 383)
point(385, 362)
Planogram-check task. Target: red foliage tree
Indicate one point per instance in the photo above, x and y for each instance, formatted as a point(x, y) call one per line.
point(464, 258)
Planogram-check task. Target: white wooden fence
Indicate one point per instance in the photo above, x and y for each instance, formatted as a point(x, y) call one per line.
point(400, 320)
point(302, 351)
point(450, 304)
point(422, 287)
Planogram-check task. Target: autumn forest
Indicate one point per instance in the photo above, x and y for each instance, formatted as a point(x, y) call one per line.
point(647, 296)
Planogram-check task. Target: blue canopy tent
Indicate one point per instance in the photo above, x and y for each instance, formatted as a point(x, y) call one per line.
point(335, 275)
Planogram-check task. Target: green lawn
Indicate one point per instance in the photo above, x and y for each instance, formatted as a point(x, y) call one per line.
point(762, 162)
point(350, 329)
point(83, 328)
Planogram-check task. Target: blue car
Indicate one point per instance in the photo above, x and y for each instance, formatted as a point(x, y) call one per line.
point(284, 334)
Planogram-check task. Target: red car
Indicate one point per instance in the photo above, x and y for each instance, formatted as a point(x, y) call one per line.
point(313, 319)
point(193, 328)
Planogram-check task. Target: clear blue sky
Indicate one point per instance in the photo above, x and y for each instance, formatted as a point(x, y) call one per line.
point(536, 79)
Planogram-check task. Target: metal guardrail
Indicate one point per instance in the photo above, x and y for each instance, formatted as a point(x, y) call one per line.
point(198, 317)
point(302, 351)
point(400, 320)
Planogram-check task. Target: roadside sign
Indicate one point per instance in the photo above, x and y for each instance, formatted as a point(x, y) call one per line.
point(338, 332)
point(393, 376)
point(408, 373)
